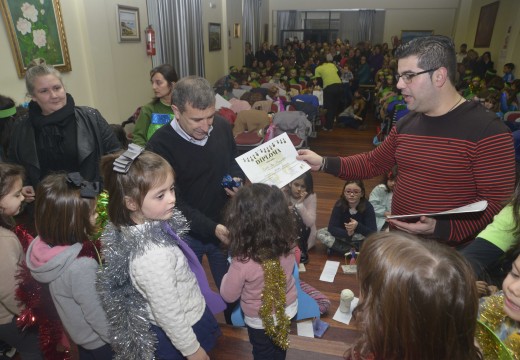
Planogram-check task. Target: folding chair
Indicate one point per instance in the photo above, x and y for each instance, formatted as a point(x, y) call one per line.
point(295, 124)
point(248, 128)
point(512, 116)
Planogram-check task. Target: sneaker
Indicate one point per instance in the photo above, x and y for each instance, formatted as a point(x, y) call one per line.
point(325, 237)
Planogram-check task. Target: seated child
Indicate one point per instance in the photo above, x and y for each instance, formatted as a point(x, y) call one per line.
point(498, 330)
point(352, 218)
point(300, 193)
point(417, 301)
point(381, 198)
point(485, 254)
point(352, 115)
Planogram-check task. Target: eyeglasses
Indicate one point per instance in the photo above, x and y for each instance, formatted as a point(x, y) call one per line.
point(408, 77)
point(353, 192)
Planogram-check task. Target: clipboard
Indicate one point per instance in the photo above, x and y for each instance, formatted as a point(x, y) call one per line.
point(475, 207)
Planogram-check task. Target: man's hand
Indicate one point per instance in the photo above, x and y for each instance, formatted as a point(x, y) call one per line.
point(222, 233)
point(28, 193)
point(232, 192)
point(311, 158)
point(425, 225)
point(200, 354)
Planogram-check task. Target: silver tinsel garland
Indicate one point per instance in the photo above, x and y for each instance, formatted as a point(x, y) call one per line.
point(130, 333)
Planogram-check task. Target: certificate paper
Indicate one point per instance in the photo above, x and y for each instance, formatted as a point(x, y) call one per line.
point(475, 207)
point(273, 162)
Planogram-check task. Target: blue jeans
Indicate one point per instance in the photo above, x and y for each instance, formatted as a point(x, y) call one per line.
point(206, 330)
point(104, 352)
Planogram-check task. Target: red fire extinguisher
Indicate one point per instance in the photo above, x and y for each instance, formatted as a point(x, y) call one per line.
point(150, 40)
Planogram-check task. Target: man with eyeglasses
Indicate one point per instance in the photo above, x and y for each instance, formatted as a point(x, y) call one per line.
point(450, 152)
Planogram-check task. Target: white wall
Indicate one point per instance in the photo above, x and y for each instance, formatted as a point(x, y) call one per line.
point(113, 77)
point(236, 45)
point(441, 21)
point(110, 76)
point(507, 20)
point(215, 61)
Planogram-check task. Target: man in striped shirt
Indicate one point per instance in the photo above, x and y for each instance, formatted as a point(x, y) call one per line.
point(450, 152)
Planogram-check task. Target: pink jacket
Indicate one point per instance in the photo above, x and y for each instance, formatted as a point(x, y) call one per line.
point(246, 281)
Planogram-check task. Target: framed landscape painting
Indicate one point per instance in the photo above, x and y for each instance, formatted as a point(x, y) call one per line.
point(128, 24)
point(214, 37)
point(407, 35)
point(35, 30)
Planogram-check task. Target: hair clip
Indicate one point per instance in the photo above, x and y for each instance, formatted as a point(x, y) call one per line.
point(125, 160)
point(88, 189)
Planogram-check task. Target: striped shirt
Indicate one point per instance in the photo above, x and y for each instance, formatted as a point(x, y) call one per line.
point(444, 162)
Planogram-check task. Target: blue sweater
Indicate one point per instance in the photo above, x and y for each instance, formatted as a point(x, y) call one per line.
point(366, 221)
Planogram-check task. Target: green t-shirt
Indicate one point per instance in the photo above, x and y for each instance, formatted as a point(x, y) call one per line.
point(140, 134)
point(500, 231)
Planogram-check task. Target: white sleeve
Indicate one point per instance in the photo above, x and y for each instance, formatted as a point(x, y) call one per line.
point(308, 210)
point(159, 278)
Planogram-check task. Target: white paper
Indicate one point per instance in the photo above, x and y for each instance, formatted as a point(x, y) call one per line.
point(220, 102)
point(329, 271)
point(273, 162)
point(475, 207)
point(305, 328)
point(346, 317)
point(301, 268)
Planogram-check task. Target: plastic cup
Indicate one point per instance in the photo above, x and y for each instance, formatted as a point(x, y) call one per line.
point(346, 298)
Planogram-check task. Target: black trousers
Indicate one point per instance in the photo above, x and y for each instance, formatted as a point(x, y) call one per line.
point(263, 346)
point(332, 99)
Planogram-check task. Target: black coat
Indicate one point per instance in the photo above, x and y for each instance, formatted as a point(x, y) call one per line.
point(95, 139)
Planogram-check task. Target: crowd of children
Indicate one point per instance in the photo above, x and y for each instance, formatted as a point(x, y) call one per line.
point(142, 293)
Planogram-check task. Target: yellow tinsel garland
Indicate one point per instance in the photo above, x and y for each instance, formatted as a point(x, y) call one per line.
point(273, 298)
point(491, 316)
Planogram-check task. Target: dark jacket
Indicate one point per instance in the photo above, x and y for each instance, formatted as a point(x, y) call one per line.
point(95, 139)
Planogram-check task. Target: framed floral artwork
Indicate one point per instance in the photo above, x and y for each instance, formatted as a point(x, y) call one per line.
point(35, 30)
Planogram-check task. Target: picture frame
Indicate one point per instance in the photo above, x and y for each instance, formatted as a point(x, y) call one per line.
point(128, 25)
point(215, 37)
point(35, 31)
point(486, 23)
point(407, 35)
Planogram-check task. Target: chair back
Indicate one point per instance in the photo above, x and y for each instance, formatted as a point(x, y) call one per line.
point(512, 116)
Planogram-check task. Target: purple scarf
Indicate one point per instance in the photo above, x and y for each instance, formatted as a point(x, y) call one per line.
point(213, 300)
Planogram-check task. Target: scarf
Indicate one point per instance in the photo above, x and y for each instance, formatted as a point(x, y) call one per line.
point(55, 134)
point(126, 309)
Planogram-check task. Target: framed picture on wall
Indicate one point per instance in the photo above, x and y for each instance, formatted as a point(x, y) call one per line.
point(35, 30)
point(486, 23)
point(407, 35)
point(128, 28)
point(215, 37)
